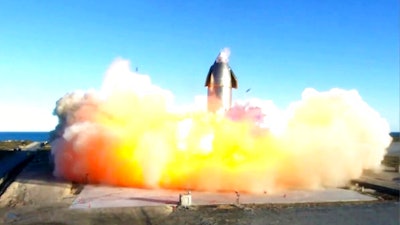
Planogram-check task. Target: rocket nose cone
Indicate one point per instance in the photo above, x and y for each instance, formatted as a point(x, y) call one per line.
point(220, 74)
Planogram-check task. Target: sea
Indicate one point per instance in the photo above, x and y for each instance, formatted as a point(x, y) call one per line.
point(24, 136)
point(44, 136)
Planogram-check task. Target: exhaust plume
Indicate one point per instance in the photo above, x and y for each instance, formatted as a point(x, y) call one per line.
point(128, 134)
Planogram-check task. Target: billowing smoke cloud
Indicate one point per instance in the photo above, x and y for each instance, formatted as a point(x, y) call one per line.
point(129, 134)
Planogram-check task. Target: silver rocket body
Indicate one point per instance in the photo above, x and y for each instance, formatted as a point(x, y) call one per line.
point(219, 82)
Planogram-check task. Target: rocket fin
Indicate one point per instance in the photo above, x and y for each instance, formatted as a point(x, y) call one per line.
point(209, 75)
point(234, 82)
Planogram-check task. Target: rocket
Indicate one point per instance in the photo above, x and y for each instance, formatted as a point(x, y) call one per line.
point(219, 82)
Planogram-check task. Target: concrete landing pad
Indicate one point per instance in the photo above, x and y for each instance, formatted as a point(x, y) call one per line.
point(106, 197)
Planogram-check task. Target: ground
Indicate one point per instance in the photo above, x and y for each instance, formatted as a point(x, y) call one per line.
point(37, 197)
point(385, 213)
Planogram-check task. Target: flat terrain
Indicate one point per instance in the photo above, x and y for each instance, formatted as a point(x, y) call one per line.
point(97, 196)
point(385, 213)
point(36, 197)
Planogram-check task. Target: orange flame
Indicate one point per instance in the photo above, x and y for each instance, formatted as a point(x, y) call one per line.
point(127, 135)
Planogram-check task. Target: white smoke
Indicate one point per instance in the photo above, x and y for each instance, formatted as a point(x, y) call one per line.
point(223, 56)
point(125, 134)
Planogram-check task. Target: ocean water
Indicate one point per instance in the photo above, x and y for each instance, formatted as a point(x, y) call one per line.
point(25, 136)
point(44, 136)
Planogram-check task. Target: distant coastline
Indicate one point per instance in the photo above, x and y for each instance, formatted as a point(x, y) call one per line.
point(395, 136)
point(44, 136)
point(25, 136)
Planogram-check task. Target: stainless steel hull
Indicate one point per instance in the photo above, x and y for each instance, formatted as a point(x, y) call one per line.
point(219, 99)
point(219, 82)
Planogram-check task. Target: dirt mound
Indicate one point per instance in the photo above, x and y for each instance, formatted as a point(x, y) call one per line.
point(36, 186)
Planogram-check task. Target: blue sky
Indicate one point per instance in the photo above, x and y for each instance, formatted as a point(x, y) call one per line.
point(278, 48)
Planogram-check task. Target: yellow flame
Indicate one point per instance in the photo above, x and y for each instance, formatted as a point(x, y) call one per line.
point(130, 137)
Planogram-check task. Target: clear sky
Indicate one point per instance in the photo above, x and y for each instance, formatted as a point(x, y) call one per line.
point(278, 48)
